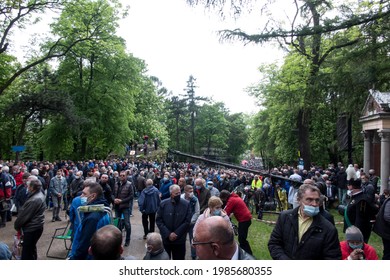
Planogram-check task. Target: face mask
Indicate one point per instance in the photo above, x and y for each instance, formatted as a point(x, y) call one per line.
point(165, 179)
point(58, 176)
point(310, 211)
point(354, 246)
point(186, 178)
point(198, 187)
point(77, 177)
point(217, 212)
point(83, 200)
point(190, 195)
point(176, 199)
point(349, 192)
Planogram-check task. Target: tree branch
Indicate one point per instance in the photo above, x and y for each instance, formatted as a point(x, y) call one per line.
point(7, 83)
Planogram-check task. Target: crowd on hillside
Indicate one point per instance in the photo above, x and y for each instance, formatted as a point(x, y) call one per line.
point(180, 198)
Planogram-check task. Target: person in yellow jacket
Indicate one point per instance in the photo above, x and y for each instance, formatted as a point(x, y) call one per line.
point(282, 194)
point(257, 182)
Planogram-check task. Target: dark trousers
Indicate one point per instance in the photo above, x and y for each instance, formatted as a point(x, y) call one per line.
point(386, 249)
point(30, 239)
point(243, 228)
point(148, 222)
point(176, 251)
point(3, 217)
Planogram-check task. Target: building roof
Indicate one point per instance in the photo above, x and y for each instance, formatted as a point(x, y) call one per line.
point(376, 102)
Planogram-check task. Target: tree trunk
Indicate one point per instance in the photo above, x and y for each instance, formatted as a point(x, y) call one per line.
point(83, 147)
point(303, 136)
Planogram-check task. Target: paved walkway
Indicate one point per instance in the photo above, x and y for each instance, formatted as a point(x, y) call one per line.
point(136, 248)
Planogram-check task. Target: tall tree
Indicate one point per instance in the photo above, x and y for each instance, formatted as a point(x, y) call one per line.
point(177, 121)
point(193, 106)
point(238, 136)
point(309, 23)
point(212, 128)
point(19, 14)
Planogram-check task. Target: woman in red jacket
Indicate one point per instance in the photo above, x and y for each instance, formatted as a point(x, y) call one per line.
point(234, 204)
point(354, 247)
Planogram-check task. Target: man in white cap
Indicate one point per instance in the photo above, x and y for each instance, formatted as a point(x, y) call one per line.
point(213, 190)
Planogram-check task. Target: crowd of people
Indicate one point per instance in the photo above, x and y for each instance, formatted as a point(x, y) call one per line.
point(187, 199)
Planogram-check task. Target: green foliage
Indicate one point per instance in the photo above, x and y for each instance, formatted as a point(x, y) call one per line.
point(212, 128)
point(238, 136)
point(96, 99)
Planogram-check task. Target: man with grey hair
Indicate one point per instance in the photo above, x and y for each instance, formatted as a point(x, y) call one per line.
point(154, 248)
point(302, 234)
point(202, 193)
point(31, 219)
point(148, 202)
point(173, 220)
point(77, 185)
point(35, 172)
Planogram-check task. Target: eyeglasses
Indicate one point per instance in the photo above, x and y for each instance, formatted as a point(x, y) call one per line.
point(195, 243)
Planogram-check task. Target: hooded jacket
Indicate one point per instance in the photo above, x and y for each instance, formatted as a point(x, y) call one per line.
point(90, 223)
point(149, 200)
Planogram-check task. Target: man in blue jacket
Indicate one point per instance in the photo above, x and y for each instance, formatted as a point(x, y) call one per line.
point(92, 194)
point(148, 203)
point(173, 220)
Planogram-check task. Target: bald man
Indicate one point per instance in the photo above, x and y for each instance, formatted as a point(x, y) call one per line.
point(106, 244)
point(214, 240)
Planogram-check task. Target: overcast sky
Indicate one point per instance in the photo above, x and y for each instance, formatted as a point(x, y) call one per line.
point(177, 41)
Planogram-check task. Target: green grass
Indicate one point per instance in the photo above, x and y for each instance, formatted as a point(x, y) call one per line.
point(259, 233)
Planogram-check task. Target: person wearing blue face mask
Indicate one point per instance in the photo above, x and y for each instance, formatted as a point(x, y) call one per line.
point(302, 234)
point(165, 183)
point(215, 209)
point(77, 201)
point(354, 248)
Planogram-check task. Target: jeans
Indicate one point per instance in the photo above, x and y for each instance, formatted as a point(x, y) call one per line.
point(131, 206)
point(126, 218)
point(30, 240)
point(243, 228)
point(342, 195)
point(191, 236)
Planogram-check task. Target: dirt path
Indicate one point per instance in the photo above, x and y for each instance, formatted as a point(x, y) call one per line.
point(136, 248)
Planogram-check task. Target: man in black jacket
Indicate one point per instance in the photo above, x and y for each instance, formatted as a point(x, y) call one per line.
point(360, 210)
point(122, 196)
point(302, 234)
point(173, 220)
point(214, 240)
point(31, 218)
point(382, 227)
